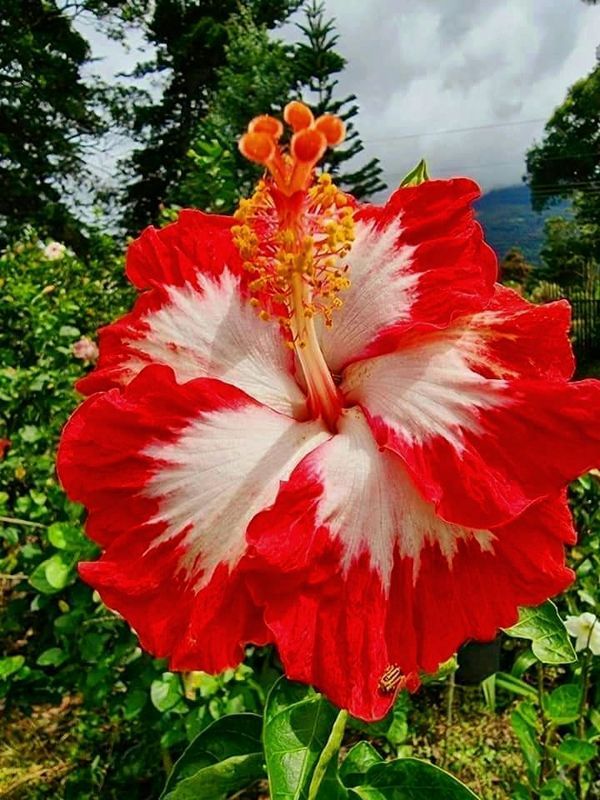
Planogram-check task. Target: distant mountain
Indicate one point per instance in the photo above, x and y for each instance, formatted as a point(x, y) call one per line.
point(509, 221)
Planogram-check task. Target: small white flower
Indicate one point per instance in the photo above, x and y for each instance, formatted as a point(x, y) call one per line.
point(586, 630)
point(54, 250)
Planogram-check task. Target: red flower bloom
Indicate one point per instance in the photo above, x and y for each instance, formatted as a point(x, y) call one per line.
point(367, 495)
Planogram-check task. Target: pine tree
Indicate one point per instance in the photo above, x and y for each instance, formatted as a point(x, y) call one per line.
point(317, 63)
point(46, 111)
point(190, 37)
point(256, 78)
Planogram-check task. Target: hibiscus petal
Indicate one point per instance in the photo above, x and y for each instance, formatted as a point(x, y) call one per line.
point(481, 449)
point(205, 329)
point(176, 254)
point(418, 260)
point(171, 476)
point(514, 338)
point(357, 572)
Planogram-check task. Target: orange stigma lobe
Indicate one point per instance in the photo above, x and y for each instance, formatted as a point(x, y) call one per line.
point(258, 147)
point(332, 128)
point(291, 171)
point(265, 124)
point(298, 116)
point(308, 146)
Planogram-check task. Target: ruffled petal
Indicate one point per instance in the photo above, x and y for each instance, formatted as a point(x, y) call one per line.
point(176, 254)
point(171, 475)
point(514, 338)
point(419, 260)
point(357, 573)
point(204, 329)
point(482, 448)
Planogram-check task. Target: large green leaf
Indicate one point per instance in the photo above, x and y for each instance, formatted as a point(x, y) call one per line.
point(359, 760)
point(223, 759)
point(549, 638)
point(298, 723)
point(409, 779)
point(330, 786)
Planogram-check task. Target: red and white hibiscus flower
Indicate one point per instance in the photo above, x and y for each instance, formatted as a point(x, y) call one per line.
point(324, 425)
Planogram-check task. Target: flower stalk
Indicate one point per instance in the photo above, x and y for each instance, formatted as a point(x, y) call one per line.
point(329, 752)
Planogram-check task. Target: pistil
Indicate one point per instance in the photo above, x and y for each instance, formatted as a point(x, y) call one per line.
point(322, 392)
point(294, 234)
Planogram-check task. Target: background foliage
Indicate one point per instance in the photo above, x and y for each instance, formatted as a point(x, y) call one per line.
point(84, 712)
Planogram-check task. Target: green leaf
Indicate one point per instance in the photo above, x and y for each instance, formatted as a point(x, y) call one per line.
point(30, 434)
point(410, 779)
point(488, 687)
point(329, 787)
point(522, 663)
point(549, 638)
point(134, 702)
point(416, 176)
point(359, 759)
point(53, 657)
point(393, 727)
point(524, 723)
point(65, 536)
point(521, 792)
point(563, 704)
point(53, 574)
point(166, 691)
point(506, 681)
point(68, 332)
point(223, 759)
point(595, 718)
point(575, 751)
point(298, 722)
point(91, 646)
point(10, 665)
point(552, 789)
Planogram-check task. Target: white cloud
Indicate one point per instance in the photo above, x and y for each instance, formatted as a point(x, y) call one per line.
point(439, 65)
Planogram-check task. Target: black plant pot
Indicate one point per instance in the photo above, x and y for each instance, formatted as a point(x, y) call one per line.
point(477, 661)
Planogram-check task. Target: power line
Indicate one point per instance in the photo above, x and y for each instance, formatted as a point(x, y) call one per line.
point(457, 130)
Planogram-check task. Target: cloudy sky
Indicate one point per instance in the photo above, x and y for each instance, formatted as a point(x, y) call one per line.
point(468, 84)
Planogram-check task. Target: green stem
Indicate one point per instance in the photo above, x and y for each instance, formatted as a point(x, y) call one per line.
point(329, 752)
point(17, 521)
